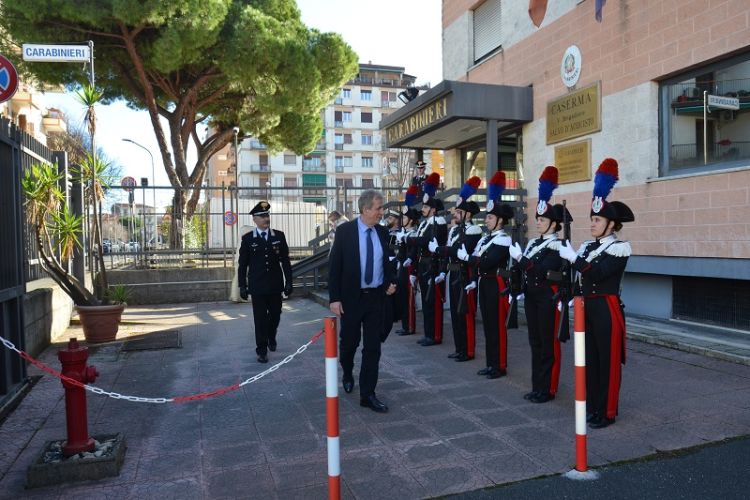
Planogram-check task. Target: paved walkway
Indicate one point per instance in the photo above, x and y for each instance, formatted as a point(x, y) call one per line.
point(448, 430)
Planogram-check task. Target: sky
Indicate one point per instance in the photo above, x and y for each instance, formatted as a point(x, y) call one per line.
point(403, 33)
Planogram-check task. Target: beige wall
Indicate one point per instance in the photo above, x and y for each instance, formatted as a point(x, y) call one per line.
point(639, 43)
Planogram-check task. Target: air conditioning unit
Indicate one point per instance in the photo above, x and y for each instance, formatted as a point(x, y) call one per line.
point(728, 115)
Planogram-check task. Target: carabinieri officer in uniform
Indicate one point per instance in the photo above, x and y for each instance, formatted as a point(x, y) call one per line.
point(264, 270)
point(490, 257)
point(601, 263)
point(542, 314)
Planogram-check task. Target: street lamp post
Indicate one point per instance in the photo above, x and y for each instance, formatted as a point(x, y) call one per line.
point(153, 189)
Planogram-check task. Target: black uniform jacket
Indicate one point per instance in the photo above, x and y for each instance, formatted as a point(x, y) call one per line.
point(494, 254)
point(469, 239)
point(541, 255)
point(344, 272)
point(601, 275)
point(264, 266)
point(434, 227)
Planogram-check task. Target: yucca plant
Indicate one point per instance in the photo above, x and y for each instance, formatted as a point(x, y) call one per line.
point(56, 229)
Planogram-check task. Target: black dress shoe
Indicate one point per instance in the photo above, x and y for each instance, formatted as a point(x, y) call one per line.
point(542, 397)
point(496, 373)
point(484, 371)
point(272, 347)
point(463, 357)
point(429, 342)
point(422, 340)
point(601, 422)
point(454, 355)
point(262, 358)
point(530, 395)
point(401, 333)
point(590, 417)
point(373, 403)
point(348, 383)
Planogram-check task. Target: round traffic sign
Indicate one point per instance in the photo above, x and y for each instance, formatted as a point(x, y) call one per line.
point(230, 218)
point(128, 183)
point(8, 79)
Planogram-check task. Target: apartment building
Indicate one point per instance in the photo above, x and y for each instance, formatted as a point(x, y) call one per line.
point(628, 83)
point(28, 110)
point(351, 152)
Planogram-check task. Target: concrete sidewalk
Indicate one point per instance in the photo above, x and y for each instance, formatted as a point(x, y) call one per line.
point(448, 430)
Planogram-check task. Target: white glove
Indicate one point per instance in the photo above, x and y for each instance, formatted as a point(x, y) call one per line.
point(440, 278)
point(401, 236)
point(429, 281)
point(413, 280)
point(407, 262)
point(515, 251)
point(432, 245)
point(390, 258)
point(471, 286)
point(462, 254)
point(518, 299)
point(567, 252)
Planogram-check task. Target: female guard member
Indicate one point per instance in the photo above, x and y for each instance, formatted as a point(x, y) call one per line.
point(601, 263)
point(542, 314)
point(490, 257)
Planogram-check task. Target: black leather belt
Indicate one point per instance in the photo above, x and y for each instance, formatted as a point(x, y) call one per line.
point(365, 291)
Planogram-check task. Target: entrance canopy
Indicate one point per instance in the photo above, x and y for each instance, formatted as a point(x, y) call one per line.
point(452, 113)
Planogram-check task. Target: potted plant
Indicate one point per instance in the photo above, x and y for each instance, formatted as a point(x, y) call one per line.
point(56, 233)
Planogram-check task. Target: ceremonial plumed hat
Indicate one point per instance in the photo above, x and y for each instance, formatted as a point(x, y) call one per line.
point(430, 187)
point(261, 208)
point(605, 179)
point(411, 198)
point(547, 185)
point(467, 191)
point(413, 214)
point(494, 192)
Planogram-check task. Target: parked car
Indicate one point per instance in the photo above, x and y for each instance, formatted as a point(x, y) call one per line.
point(134, 246)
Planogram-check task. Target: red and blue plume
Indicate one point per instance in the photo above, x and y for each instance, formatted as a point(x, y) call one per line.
point(605, 179)
point(410, 198)
point(469, 188)
point(496, 187)
point(431, 184)
point(547, 183)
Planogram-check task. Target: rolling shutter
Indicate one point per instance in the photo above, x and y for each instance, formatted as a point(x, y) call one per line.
point(487, 28)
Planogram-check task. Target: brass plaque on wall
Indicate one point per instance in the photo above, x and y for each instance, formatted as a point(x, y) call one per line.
point(573, 162)
point(575, 114)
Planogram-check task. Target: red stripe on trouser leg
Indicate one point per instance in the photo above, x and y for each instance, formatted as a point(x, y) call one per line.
point(438, 312)
point(580, 383)
point(412, 304)
point(332, 421)
point(471, 308)
point(334, 487)
point(617, 346)
point(581, 461)
point(555, 375)
point(502, 312)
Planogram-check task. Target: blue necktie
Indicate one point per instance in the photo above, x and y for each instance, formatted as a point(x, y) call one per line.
point(369, 264)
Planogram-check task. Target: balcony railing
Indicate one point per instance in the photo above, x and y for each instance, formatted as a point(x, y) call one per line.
point(339, 147)
point(310, 167)
point(256, 144)
point(684, 155)
point(260, 168)
point(338, 100)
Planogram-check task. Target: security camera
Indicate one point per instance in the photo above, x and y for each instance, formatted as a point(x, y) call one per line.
point(236, 130)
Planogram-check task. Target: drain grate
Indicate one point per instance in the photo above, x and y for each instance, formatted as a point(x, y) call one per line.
point(167, 339)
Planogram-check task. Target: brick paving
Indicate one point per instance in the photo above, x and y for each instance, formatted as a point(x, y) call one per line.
point(448, 430)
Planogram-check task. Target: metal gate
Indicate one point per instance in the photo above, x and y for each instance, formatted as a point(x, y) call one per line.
point(18, 150)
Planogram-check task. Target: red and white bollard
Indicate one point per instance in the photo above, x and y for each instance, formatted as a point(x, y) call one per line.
point(73, 361)
point(579, 343)
point(332, 409)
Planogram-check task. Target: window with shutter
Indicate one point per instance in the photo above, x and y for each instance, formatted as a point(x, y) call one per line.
point(487, 28)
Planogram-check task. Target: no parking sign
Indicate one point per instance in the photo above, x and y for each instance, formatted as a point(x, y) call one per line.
point(8, 79)
point(230, 218)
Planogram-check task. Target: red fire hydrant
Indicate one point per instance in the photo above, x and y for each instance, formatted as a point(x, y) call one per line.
point(73, 361)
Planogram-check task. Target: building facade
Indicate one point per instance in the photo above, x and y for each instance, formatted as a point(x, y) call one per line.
point(630, 86)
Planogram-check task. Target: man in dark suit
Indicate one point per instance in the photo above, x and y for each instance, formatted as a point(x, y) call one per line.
point(265, 272)
point(359, 278)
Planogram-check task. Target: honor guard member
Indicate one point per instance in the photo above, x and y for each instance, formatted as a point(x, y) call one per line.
point(264, 272)
point(392, 311)
point(601, 263)
point(406, 291)
point(432, 293)
point(419, 179)
point(463, 303)
point(490, 257)
point(542, 314)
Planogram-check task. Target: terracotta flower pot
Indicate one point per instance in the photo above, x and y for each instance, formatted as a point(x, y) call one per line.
point(100, 323)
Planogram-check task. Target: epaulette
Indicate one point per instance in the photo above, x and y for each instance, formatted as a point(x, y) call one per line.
point(440, 220)
point(503, 240)
point(555, 245)
point(619, 249)
point(473, 229)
